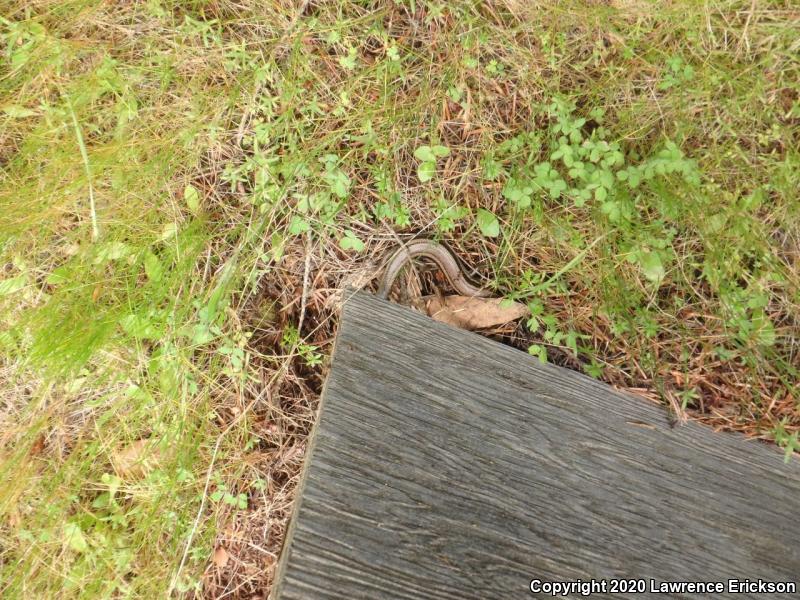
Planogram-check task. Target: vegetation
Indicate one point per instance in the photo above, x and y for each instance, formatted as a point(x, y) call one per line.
point(186, 184)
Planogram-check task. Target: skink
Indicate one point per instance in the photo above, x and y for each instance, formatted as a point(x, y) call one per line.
point(436, 252)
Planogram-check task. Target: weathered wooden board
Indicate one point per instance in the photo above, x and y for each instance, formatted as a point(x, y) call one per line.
point(445, 465)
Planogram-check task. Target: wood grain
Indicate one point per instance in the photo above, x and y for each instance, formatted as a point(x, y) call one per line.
point(445, 465)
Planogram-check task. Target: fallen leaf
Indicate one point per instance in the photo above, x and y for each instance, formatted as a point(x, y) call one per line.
point(469, 312)
point(221, 557)
point(134, 459)
point(37, 446)
point(14, 519)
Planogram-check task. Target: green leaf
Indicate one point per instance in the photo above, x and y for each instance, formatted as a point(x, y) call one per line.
point(601, 193)
point(492, 169)
point(349, 61)
point(192, 197)
point(74, 537)
point(339, 183)
point(351, 242)
point(539, 351)
point(765, 335)
point(202, 334)
point(169, 230)
point(58, 276)
point(548, 178)
point(754, 200)
point(111, 251)
point(298, 225)
point(431, 153)
point(518, 192)
point(488, 223)
point(651, 265)
point(556, 187)
point(152, 267)
point(139, 327)
point(18, 112)
point(425, 154)
point(14, 284)
point(632, 175)
point(426, 171)
point(612, 210)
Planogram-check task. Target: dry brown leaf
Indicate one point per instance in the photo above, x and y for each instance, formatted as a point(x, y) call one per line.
point(135, 459)
point(221, 557)
point(38, 445)
point(468, 312)
point(14, 519)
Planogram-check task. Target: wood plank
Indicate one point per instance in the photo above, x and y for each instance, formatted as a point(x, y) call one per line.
point(445, 465)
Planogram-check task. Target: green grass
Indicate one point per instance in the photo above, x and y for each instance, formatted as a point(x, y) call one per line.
point(184, 184)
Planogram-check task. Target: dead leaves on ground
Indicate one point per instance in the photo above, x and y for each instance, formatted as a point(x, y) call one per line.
point(220, 557)
point(468, 312)
point(136, 459)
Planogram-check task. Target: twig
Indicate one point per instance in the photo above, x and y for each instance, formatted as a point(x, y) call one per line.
point(200, 510)
point(304, 297)
point(744, 37)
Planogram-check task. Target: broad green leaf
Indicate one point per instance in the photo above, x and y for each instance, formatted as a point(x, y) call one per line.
point(298, 225)
point(139, 327)
point(59, 275)
point(18, 112)
point(339, 182)
point(556, 187)
point(426, 171)
point(488, 223)
point(349, 61)
point(765, 336)
point(518, 193)
point(202, 334)
point(351, 242)
point(152, 267)
point(111, 251)
point(764, 330)
point(492, 169)
point(192, 197)
point(14, 284)
point(75, 538)
point(601, 193)
point(539, 351)
point(424, 154)
point(651, 265)
point(169, 230)
point(612, 210)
